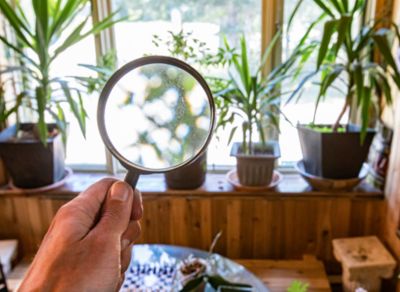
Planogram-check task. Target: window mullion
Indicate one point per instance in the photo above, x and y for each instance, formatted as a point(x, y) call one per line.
point(271, 22)
point(105, 42)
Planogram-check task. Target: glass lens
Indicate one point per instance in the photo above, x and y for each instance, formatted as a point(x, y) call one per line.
point(158, 116)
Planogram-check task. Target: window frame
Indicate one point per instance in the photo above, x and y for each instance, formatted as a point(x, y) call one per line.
point(271, 20)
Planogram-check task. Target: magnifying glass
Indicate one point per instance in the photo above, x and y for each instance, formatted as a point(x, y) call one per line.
point(155, 114)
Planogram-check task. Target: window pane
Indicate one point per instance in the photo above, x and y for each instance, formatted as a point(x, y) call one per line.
point(80, 151)
point(208, 21)
point(302, 112)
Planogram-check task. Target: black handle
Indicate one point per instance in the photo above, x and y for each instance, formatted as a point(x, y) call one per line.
point(132, 178)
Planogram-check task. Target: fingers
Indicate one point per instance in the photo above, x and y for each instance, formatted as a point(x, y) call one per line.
point(76, 218)
point(131, 234)
point(89, 201)
point(137, 209)
point(126, 255)
point(117, 210)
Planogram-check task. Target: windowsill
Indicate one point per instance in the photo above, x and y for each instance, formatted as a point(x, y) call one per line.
point(216, 185)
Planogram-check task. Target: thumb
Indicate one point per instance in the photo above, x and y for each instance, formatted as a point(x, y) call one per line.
point(116, 210)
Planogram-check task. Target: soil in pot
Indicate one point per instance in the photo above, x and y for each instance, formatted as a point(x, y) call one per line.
point(335, 155)
point(256, 169)
point(189, 177)
point(29, 163)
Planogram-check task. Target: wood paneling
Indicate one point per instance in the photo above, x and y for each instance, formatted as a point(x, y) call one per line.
point(254, 226)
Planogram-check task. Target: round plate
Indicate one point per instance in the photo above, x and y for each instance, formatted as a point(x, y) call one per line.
point(329, 184)
point(67, 173)
point(153, 268)
point(233, 179)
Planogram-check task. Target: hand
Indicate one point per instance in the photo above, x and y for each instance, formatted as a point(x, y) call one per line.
point(88, 245)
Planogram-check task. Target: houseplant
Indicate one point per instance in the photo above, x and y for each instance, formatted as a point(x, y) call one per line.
point(54, 28)
point(347, 62)
point(255, 99)
point(183, 45)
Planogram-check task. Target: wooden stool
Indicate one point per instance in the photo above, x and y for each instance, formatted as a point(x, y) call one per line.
point(364, 261)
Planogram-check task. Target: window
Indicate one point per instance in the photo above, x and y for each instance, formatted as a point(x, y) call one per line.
point(208, 21)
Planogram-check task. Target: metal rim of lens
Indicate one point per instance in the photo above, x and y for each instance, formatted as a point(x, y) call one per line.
point(148, 60)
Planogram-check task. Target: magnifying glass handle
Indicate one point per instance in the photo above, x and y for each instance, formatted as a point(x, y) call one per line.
point(132, 178)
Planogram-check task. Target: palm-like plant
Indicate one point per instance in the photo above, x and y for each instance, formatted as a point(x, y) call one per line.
point(38, 43)
point(349, 60)
point(251, 96)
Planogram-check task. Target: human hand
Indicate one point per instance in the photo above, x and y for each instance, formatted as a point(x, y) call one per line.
point(88, 245)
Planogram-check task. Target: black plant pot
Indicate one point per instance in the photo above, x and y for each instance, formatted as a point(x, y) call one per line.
point(334, 155)
point(257, 169)
point(29, 163)
point(189, 177)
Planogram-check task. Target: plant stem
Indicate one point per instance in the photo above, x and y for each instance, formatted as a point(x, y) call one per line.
point(349, 98)
point(250, 121)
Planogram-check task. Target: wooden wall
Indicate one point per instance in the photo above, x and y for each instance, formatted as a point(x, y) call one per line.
point(391, 224)
point(262, 226)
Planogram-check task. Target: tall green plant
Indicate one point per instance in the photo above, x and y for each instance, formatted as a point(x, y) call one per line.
point(38, 43)
point(251, 95)
point(349, 59)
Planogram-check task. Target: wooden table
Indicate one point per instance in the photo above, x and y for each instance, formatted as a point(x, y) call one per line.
point(279, 274)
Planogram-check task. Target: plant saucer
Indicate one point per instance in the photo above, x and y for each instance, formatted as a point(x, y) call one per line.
point(67, 174)
point(233, 179)
point(330, 184)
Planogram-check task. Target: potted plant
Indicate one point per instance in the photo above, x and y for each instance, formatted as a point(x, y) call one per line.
point(34, 152)
point(346, 62)
point(184, 46)
point(255, 99)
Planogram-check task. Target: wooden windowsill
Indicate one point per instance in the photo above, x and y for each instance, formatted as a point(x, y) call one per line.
point(216, 185)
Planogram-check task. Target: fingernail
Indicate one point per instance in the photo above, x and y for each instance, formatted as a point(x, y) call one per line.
point(120, 191)
point(125, 243)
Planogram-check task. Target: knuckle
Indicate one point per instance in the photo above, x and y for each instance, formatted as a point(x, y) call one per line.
point(65, 212)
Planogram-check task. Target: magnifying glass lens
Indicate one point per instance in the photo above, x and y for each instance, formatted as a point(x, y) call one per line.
point(158, 116)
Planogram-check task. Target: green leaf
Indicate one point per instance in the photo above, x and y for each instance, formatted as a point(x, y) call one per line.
point(297, 286)
point(330, 78)
point(75, 107)
point(338, 5)
point(344, 27)
point(269, 49)
point(293, 14)
point(381, 41)
point(73, 37)
point(16, 23)
point(365, 106)
point(232, 133)
point(329, 29)
point(359, 82)
point(324, 7)
point(300, 86)
point(217, 281)
point(357, 5)
point(244, 69)
point(41, 11)
point(64, 14)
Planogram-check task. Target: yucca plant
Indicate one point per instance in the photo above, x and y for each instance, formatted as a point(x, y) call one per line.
point(250, 95)
point(38, 42)
point(353, 59)
point(347, 61)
